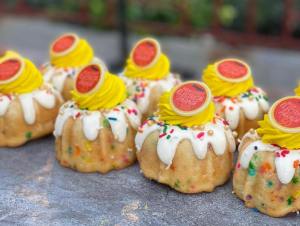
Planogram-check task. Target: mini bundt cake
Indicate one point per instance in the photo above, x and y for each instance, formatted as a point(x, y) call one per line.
point(28, 106)
point(186, 146)
point(267, 175)
point(68, 53)
point(237, 99)
point(147, 75)
point(95, 131)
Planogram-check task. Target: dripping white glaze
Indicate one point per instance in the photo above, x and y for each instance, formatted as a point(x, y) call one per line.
point(140, 89)
point(93, 121)
point(4, 103)
point(26, 102)
point(252, 103)
point(214, 134)
point(45, 97)
point(91, 125)
point(284, 159)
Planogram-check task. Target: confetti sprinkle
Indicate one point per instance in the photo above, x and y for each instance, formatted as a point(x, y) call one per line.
point(105, 123)
point(28, 135)
point(162, 135)
point(251, 169)
point(290, 200)
point(200, 135)
point(177, 184)
point(70, 150)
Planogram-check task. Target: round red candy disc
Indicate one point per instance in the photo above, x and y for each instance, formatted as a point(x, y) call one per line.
point(9, 68)
point(63, 43)
point(145, 52)
point(88, 79)
point(190, 98)
point(285, 114)
point(233, 70)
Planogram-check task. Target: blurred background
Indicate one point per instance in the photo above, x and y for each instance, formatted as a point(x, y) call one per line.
point(266, 33)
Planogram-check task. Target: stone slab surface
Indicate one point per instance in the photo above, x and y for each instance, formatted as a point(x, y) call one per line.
point(36, 190)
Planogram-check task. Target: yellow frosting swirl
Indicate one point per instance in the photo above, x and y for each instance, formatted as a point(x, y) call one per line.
point(220, 87)
point(111, 93)
point(29, 79)
point(297, 90)
point(272, 135)
point(168, 115)
point(80, 56)
point(159, 70)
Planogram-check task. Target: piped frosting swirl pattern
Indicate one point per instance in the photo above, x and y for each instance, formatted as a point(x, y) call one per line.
point(69, 50)
point(147, 62)
point(111, 93)
point(223, 87)
point(27, 79)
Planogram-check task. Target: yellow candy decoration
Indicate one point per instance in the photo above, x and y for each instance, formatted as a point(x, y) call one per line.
point(188, 104)
point(282, 125)
point(18, 75)
point(69, 50)
point(146, 61)
point(228, 77)
point(97, 89)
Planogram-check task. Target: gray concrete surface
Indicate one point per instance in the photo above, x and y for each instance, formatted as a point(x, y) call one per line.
point(35, 190)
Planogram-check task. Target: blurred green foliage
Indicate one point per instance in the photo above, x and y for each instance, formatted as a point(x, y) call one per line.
point(197, 13)
point(151, 11)
point(269, 16)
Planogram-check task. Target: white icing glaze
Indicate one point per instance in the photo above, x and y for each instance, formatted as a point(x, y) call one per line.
point(91, 125)
point(4, 104)
point(118, 126)
point(134, 119)
point(26, 101)
point(93, 120)
point(249, 135)
point(252, 107)
point(284, 159)
point(142, 96)
point(57, 76)
point(170, 136)
point(45, 97)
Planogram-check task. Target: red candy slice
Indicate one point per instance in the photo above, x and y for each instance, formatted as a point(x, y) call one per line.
point(88, 78)
point(285, 114)
point(233, 70)
point(145, 52)
point(64, 43)
point(190, 98)
point(9, 69)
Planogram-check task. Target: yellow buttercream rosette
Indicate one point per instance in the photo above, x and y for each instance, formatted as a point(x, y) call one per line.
point(228, 77)
point(281, 126)
point(188, 104)
point(18, 75)
point(95, 88)
point(147, 62)
point(69, 50)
